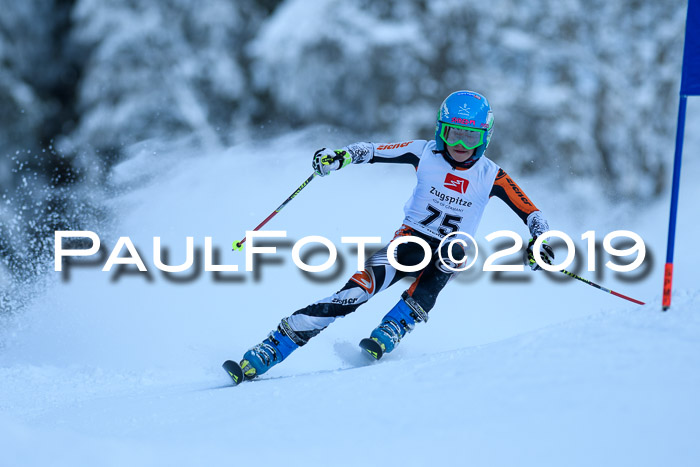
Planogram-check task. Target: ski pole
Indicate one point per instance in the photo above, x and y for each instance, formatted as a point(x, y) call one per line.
point(617, 294)
point(239, 245)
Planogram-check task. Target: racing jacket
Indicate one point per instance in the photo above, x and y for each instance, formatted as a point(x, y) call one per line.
point(447, 198)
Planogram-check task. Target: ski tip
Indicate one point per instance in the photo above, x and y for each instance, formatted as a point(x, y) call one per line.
point(234, 371)
point(372, 348)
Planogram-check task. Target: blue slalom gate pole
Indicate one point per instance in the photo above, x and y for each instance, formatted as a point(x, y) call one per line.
point(690, 86)
point(668, 270)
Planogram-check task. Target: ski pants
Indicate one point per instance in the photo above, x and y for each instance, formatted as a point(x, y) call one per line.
point(378, 275)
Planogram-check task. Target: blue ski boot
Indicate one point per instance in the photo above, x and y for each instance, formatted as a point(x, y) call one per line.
point(394, 326)
point(275, 348)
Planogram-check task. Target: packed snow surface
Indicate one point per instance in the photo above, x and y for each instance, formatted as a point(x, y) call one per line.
point(108, 369)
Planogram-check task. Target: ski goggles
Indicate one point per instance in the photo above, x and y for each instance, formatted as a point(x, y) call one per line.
point(470, 138)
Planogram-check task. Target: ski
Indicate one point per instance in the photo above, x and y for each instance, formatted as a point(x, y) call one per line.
point(234, 371)
point(372, 348)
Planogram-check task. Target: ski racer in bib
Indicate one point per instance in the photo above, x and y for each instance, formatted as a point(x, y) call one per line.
point(455, 181)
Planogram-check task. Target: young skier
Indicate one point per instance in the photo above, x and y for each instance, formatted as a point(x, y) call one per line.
point(455, 182)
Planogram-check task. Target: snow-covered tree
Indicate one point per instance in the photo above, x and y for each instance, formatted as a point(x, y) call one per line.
point(160, 70)
point(584, 88)
point(37, 184)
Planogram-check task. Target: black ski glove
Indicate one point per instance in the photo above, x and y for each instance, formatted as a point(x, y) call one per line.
point(546, 254)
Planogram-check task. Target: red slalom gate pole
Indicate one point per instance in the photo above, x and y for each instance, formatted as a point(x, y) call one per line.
point(239, 245)
point(593, 284)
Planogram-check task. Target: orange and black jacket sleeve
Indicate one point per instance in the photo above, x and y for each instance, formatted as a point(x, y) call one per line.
point(505, 188)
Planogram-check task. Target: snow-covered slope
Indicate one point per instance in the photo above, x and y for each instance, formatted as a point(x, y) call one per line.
point(615, 388)
point(116, 370)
